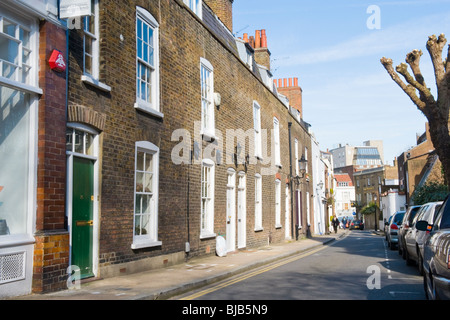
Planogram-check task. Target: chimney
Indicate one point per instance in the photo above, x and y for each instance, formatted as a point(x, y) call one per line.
point(258, 39)
point(263, 39)
point(262, 53)
point(223, 9)
point(290, 88)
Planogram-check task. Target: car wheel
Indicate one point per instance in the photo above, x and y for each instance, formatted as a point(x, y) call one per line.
point(429, 287)
point(408, 259)
point(404, 253)
point(420, 263)
point(392, 245)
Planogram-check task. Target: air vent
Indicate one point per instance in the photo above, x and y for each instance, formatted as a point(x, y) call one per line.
point(12, 267)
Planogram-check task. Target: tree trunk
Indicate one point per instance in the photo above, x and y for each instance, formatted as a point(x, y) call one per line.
point(436, 111)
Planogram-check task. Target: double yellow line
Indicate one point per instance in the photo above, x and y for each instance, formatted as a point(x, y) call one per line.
point(251, 274)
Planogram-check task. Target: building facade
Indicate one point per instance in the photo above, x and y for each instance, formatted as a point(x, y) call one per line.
point(34, 244)
point(189, 137)
point(345, 196)
point(419, 165)
point(164, 133)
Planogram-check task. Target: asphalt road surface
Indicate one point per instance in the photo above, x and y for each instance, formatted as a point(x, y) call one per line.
point(357, 267)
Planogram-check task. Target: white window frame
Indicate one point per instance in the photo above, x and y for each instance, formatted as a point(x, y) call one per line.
point(150, 239)
point(30, 86)
point(207, 199)
point(94, 35)
point(92, 77)
point(276, 139)
point(151, 107)
point(258, 203)
point(278, 204)
point(16, 82)
point(196, 7)
point(257, 129)
point(208, 129)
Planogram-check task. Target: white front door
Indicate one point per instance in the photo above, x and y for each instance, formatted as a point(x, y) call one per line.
point(287, 229)
point(231, 211)
point(242, 211)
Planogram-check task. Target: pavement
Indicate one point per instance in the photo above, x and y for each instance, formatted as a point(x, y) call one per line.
point(162, 284)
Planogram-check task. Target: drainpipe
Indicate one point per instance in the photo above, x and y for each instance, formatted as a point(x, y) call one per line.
point(291, 184)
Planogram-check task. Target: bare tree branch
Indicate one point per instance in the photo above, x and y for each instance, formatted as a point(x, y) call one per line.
point(413, 59)
point(408, 89)
point(425, 93)
point(435, 47)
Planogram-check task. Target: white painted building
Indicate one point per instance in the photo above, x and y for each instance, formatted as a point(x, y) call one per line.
point(344, 196)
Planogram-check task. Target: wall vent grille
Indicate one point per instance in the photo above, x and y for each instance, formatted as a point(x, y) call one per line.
point(12, 267)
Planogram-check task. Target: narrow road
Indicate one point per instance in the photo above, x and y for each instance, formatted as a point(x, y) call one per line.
point(358, 267)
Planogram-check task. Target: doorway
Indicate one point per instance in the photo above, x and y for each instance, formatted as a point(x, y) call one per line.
point(82, 197)
point(83, 215)
point(231, 211)
point(242, 211)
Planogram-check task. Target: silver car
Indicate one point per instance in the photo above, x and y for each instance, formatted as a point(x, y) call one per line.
point(392, 230)
point(414, 238)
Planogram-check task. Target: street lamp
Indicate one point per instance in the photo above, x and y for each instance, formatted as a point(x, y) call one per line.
point(376, 206)
point(302, 163)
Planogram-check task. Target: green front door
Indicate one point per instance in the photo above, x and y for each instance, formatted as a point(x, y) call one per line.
point(82, 215)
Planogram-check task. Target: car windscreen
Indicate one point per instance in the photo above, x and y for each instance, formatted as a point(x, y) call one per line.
point(445, 218)
point(398, 218)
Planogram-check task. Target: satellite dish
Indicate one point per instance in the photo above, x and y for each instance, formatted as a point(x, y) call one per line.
point(221, 246)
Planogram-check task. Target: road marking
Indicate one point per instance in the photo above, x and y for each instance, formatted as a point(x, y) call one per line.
point(251, 274)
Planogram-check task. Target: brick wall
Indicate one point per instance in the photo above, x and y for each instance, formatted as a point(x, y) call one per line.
point(184, 39)
point(224, 10)
point(52, 245)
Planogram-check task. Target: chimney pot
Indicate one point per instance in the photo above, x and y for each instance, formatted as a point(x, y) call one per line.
point(290, 82)
point(258, 39)
point(263, 39)
point(295, 82)
point(246, 37)
point(252, 41)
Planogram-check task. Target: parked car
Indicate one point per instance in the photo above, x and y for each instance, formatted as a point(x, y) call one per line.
point(436, 254)
point(386, 227)
point(414, 238)
point(356, 224)
point(392, 232)
point(410, 214)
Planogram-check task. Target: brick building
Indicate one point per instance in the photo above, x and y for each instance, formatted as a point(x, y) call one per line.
point(175, 134)
point(34, 245)
point(419, 165)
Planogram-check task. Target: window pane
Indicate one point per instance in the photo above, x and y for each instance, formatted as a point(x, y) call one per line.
point(25, 38)
point(89, 144)
point(137, 225)
point(148, 182)
point(88, 64)
point(9, 28)
point(140, 161)
point(14, 160)
point(139, 182)
point(9, 50)
point(148, 162)
point(79, 135)
point(69, 139)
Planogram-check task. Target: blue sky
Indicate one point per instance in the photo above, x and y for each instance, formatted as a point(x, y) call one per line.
point(348, 97)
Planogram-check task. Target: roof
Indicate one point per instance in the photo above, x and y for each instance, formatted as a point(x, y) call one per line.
point(343, 177)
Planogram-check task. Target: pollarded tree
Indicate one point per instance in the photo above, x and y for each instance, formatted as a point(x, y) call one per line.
point(435, 110)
